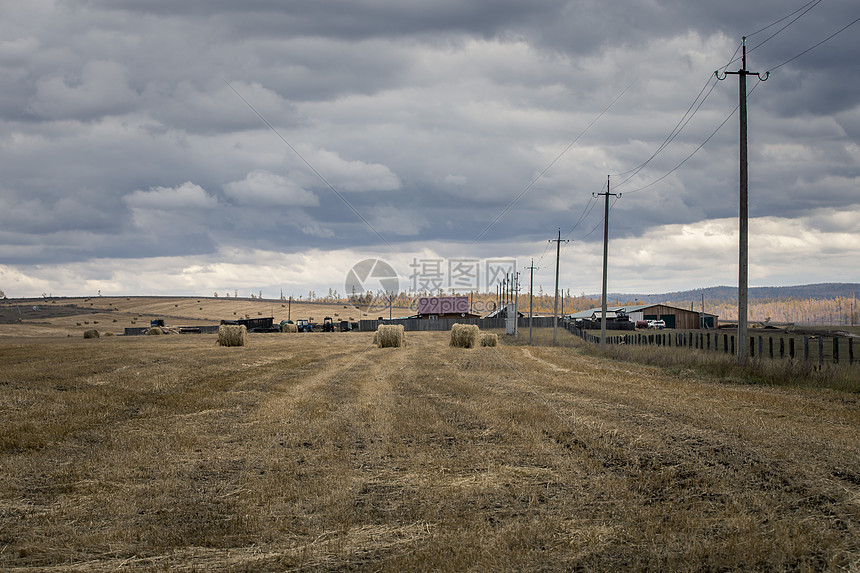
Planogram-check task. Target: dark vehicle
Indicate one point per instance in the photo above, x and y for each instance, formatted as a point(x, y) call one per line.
point(328, 324)
point(304, 326)
point(345, 326)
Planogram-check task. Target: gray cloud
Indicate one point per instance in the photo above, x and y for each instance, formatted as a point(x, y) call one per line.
point(121, 138)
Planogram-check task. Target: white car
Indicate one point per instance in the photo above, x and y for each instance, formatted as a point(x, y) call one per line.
point(658, 324)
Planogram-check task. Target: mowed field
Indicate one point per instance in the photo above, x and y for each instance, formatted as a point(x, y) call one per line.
point(72, 316)
point(322, 452)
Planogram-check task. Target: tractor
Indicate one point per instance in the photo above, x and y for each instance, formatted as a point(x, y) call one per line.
point(304, 326)
point(328, 324)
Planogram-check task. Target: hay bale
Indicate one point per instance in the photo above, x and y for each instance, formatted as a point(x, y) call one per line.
point(465, 335)
point(91, 333)
point(489, 339)
point(289, 327)
point(109, 334)
point(154, 331)
point(232, 335)
point(390, 336)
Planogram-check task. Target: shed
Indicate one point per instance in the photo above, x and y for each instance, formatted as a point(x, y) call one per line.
point(674, 317)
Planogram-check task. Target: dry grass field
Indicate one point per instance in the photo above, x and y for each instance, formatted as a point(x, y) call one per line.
point(322, 452)
point(72, 316)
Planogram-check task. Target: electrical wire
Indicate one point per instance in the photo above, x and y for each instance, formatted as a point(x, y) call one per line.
point(682, 123)
point(811, 6)
point(687, 117)
point(311, 167)
point(585, 213)
point(547, 168)
point(809, 49)
point(771, 25)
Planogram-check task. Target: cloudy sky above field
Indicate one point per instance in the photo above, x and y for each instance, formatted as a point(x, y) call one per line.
point(162, 147)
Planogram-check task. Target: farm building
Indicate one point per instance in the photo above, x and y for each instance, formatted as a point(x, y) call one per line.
point(673, 316)
point(255, 324)
point(436, 307)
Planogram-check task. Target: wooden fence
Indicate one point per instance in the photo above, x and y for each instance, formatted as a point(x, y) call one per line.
point(423, 324)
point(820, 349)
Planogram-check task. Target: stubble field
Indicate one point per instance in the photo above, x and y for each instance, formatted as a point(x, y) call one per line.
point(322, 452)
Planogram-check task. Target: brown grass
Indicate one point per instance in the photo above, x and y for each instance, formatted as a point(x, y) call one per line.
point(319, 452)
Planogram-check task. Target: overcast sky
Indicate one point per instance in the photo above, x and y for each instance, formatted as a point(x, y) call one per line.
point(164, 147)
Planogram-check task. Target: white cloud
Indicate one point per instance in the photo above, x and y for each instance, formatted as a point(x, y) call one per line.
point(186, 196)
point(354, 175)
point(264, 189)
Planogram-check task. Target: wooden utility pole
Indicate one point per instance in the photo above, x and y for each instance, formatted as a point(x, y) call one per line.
point(605, 260)
point(743, 242)
point(517, 305)
point(532, 270)
point(555, 306)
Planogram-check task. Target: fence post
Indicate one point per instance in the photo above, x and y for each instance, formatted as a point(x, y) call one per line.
point(770, 346)
point(836, 350)
point(820, 350)
point(791, 348)
point(850, 351)
point(781, 347)
point(805, 348)
point(760, 346)
point(733, 344)
point(752, 346)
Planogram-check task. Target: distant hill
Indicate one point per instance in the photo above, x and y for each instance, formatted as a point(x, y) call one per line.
point(725, 293)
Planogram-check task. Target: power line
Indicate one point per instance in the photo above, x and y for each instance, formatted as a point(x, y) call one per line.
point(547, 168)
point(811, 6)
point(784, 18)
point(585, 212)
point(306, 162)
point(701, 145)
point(674, 133)
point(805, 8)
point(685, 120)
point(809, 49)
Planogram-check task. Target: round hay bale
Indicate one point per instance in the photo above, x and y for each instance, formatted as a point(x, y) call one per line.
point(465, 335)
point(154, 331)
point(489, 339)
point(289, 327)
point(91, 333)
point(390, 336)
point(232, 335)
point(110, 334)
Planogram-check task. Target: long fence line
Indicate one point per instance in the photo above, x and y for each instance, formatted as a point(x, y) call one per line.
point(423, 324)
point(830, 349)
